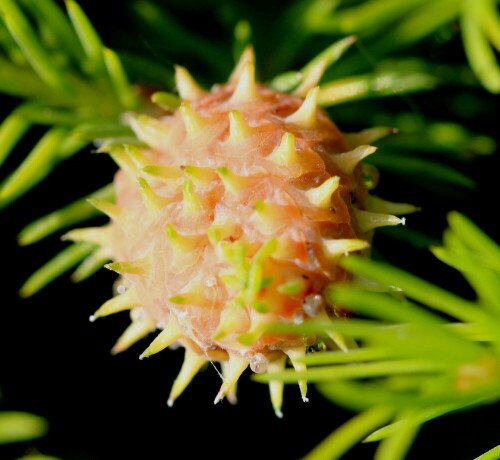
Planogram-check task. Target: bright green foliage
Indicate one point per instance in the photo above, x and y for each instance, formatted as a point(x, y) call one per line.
point(394, 25)
point(57, 220)
point(60, 264)
point(70, 80)
point(493, 454)
point(20, 426)
point(413, 364)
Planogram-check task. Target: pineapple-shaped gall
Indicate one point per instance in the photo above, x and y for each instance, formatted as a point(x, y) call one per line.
point(232, 219)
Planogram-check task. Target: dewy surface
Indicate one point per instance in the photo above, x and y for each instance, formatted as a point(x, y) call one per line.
point(230, 219)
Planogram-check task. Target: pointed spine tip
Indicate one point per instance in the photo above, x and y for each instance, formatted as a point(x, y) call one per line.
point(112, 210)
point(193, 203)
point(170, 403)
point(152, 131)
point(163, 172)
point(194, 295)
point(376, 204)
point(166, 101)
point(348, 161)
point(335, 248)
point(164, 339)
point(239, 130)
point(306, 116)
point(248, 55)
point(285, 154)
point(190, 367)
point(367, 136)
point(97, 235)
point(368, 221)
point(219, 397)
point(201, 177)
point(322, 196)
point(234, 184)
point(183, 244)
point(171, 233)
point(121, 302)
point(138, 157)
point(296, 356)
point(186, 85)
point(222, 229)
point(134, 332)
point(153, 202)
point(232, 371)
point(246, 88)
point(193, 121)
point(177, 299)
point(312, 78)
point(134, 267)
point(276, 387)
point(270, 217)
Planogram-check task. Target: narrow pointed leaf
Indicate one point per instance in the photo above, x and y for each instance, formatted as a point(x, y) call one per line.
point(21, 82)
point(358, 370)
point(48, 12)
point(350, 356)
point(91, 132)
point(492, 454)
point(43, 115)
point(490, 20)
point(286, 81)
point(331, 54)
point(417, 288)
point(475, 238)
point(37, 165)
point(349, 434)
point(479, 52)
point(21, 426)
point(289, 80)
point(13, 128)
point(61, 263)
point(424, 415)
point(90, 265)
point(416, 26)
point(357, 396)
point(382, 306)
point(396, 446)
point(374, 85)
point(38, 57)
point(365, 16)
point(119, 79)
point(69, 147)
point(88, 37)
point(74, 213)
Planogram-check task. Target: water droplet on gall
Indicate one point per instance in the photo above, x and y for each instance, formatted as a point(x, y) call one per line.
point(259, 363)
